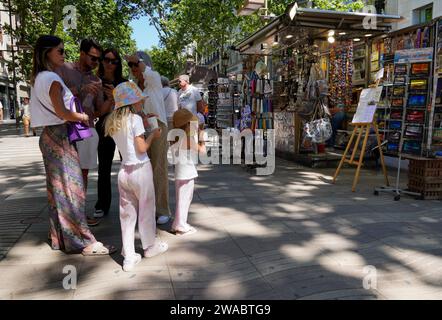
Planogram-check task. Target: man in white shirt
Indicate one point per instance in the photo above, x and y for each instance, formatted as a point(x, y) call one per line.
point(189, 96)
point(170, 101)
point(149, 82)
point(1, 111)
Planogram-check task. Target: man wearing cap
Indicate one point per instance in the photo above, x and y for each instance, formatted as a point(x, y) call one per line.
point(189, 97)
point(149, 82)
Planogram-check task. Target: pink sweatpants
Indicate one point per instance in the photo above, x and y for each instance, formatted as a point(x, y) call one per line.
point(184, 196)
point(137, 200)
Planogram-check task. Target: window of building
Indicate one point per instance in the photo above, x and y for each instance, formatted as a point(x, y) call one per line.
point(423, 15)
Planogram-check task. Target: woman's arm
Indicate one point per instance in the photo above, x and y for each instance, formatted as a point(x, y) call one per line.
point(56, 95)
point(142, 144)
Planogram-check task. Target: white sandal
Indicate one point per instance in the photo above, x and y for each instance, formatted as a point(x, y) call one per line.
point(98, 249)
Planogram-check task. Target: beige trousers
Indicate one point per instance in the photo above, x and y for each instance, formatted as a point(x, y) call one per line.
point(158, 157)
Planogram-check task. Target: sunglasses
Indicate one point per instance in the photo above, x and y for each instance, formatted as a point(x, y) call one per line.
point(111, 61)
point(94, 58)
point(133, 64)
point(61, 51)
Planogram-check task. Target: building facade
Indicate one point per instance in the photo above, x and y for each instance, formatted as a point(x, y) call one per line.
point(12, 91)
point(413, 11)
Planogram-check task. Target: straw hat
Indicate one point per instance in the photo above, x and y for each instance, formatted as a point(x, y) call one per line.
point(183, 117)
point(127, 93)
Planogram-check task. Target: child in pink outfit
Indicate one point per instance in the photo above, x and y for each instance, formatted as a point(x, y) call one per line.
point(185, 159)
point(135, 179)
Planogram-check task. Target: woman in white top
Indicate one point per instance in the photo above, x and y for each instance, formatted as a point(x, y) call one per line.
point(50, 102)
point(149, 82)
point(135, 179)
point(185, 153)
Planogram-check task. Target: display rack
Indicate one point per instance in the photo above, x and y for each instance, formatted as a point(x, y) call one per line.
point(224, 109)
point(434, 142)
point(213, 102)
point(408, 115)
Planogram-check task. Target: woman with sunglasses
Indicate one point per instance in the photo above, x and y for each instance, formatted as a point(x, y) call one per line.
point(50, 104)
point(110, 71)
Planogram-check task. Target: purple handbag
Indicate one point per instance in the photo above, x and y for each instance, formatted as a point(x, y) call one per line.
point(77, 131)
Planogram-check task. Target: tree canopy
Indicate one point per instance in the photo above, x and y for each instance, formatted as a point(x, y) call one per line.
point(100, 19)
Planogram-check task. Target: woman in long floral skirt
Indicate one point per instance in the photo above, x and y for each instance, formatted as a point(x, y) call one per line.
point(50, 102)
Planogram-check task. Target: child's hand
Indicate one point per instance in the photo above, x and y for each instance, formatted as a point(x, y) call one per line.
point(145, 121)
point(156, 133)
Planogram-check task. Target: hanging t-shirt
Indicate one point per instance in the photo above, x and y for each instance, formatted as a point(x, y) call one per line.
point(189, 98)
point(125, 141)
point(42, 110)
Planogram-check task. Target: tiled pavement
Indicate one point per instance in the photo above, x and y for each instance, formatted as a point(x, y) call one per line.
point(292, 235)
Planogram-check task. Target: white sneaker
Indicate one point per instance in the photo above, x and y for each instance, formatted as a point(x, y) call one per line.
point(163, 219)
point(129, 264)
point(98, 213)
point(158, 248)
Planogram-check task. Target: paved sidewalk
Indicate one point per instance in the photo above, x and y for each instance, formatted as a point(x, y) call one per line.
point(292, 235)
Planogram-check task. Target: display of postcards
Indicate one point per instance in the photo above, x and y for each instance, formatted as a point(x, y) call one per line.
point(414, 132)
point(396, 114)
point(395, 125)
point(395, 136)
point(417, 100)
point(393, 146)
point(418, 84)
point(420, 69)
point(397, 102)
point(400, 69)
point(412, 147)
point(399, 92)
point(416, 116)
point(400, 80)
point(439, 90)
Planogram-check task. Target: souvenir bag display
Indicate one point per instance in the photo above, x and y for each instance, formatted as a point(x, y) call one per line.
point(319, 129)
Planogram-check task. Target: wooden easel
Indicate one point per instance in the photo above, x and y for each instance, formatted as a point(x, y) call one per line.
point(359, 130)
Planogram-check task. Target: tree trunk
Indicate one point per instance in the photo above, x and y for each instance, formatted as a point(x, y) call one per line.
point(56, 15)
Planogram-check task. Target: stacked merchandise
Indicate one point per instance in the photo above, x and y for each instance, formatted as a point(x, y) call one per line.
point(224, 110)
point(437, 119)
point(408, 113)
point(341, 74)
point(213, 101)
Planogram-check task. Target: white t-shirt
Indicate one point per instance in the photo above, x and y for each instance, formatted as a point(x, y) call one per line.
point(42, 117)
point(26, 110)
point(125, 141)
point(185, 162)
point(170, 101)
point(188, 99)
point(154, 103)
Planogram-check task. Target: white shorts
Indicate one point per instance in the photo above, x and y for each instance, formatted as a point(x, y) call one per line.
point(88, 151)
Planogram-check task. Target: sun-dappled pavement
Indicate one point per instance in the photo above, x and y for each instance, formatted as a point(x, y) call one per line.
point(292, 235)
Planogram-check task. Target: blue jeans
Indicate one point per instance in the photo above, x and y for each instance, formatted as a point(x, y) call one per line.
point(336, 121)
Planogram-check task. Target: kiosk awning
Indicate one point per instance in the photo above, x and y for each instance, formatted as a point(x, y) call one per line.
point(317, 24)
